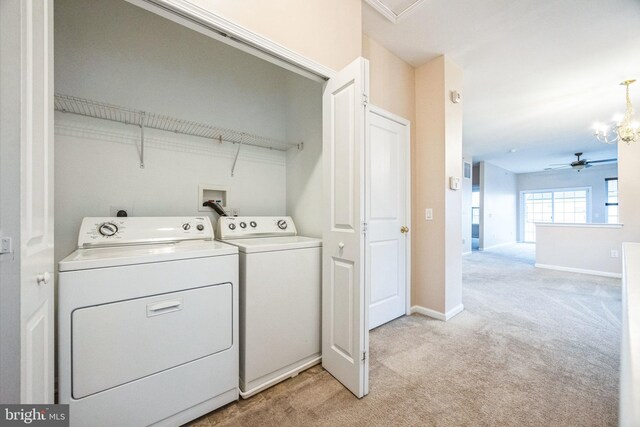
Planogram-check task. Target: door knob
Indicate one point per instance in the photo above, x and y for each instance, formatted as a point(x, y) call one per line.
point(404, 229)
point(43, 278)
point(341, 245)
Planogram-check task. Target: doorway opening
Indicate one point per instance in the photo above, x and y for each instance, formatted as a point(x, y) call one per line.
point(475, 219)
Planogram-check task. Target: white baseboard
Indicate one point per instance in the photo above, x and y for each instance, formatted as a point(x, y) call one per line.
point(437, 314)
point(580, 270)
point(498, 245)
point(467, 253)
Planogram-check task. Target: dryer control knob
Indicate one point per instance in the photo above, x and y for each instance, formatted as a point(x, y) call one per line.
point(253, 224)
point(186, 226)
point(232, 226)
point(282, 224)
point(200, 227)
point(108, 229)
point(243, 225)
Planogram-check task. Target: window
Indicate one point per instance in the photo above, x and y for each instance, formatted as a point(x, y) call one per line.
point(467, 169)
point(475, 209)
point(611, 205)
point(561, 206)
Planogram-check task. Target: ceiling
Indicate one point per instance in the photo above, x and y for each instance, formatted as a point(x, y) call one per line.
point(537, 74)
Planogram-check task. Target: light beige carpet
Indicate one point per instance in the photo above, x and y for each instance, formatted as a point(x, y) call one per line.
point(532, 348)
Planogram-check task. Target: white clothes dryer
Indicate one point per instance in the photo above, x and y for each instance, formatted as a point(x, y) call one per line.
point(147, 322)
point(280, 299)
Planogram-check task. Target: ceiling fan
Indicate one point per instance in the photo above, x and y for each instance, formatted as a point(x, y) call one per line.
point(578, 164)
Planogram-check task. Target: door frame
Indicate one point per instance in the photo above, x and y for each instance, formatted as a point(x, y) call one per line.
point(373, 109)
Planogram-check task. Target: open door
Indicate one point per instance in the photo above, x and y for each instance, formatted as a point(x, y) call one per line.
point(345, 299)
point(36, 201)
point(387, 178)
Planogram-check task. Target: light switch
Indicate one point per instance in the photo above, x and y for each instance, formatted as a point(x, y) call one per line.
point(428, 214)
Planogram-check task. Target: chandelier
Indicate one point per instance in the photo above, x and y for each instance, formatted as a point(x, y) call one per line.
point(625, 127)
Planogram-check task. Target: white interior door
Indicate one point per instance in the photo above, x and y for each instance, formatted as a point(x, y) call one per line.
point(345, 331)
point(387, 177)
point(36, 238)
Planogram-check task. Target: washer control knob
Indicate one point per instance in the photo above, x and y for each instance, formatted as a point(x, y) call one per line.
point(108, 229)
point(253, 224)
point(243, 224)
point(186, 226)
point(200, 227)
point(232, 226)
point(282, 224)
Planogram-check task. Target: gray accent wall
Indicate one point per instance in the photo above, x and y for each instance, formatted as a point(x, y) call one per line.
point(10, 196)
point(498, 206)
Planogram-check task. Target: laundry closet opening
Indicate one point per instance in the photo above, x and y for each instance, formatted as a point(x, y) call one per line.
point(115, 53)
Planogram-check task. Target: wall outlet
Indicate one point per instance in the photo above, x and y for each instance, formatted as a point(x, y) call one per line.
point(615, 253)
point(231, 211)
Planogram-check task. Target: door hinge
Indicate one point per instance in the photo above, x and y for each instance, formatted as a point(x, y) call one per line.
point(365, 99)
point(364, 356)
point(364, 228)
point(5, 245)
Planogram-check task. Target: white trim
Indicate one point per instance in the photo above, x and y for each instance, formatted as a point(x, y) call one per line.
point(273, 381)
point(437, 314)
point(404, 122)
point(513, 242)
point(221, 29)
point(590, 225)
point(579, 270)
point(389, 115)
point(467, 253)
point(388, 13)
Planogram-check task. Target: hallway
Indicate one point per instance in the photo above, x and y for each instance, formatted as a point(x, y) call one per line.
point(532, 347)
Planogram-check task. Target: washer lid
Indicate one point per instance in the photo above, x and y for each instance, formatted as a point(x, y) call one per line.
point(83, 259)
point(270, 244)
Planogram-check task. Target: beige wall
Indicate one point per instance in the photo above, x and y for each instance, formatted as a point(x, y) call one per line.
point(629, 190)
point(437, 258)
point(453, 199)
point(327, 31)
point(391, 80)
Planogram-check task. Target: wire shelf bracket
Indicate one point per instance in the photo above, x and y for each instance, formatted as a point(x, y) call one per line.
point(145, 119)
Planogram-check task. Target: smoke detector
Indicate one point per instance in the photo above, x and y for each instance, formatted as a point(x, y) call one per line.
point(394, 10)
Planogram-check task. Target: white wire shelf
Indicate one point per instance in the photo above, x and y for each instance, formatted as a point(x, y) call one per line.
point(145, 119)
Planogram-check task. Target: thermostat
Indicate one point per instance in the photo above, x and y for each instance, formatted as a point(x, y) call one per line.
point(454, 183)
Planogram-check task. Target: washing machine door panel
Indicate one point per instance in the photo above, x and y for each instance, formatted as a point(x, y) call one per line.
point(113, 344)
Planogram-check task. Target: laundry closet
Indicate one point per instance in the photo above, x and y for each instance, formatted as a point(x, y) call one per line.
point(153, 117)
point(118, 61)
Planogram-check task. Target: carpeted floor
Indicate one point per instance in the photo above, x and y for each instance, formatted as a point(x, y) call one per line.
point(532, 348)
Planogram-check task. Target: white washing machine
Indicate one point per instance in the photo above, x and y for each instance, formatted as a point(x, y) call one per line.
point(147, 322)
point(280, 299)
